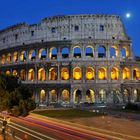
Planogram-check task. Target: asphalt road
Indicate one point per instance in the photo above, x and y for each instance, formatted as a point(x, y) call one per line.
point(30, 128)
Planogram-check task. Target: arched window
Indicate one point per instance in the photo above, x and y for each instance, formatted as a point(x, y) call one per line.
point(23, 56)
point(22, 75)
point(15, 58)
point(126, 73)
point(3, 58)
point(32, 55)
point(8, 72)
point(77, 96)
point(65, 53)
point(77, 73)
point(114, 52)
point(135, 95)
point(52, 74)
point(102, 96)
point(42, 54)
point(65, 96)
point(65, 73)
point(15, 73)
point(9, 58)
point(101, 52)
point(102, 74)
point(114, 73)
point(42, 96)
point(53, 53)
point(89, 73)
point(31, 75)
point(136, 74)
point(41, 74)
point(89, 51)
point(77, 52)
point(90, 97)
point(126, 95)
point(125, 51)
point(53, 96)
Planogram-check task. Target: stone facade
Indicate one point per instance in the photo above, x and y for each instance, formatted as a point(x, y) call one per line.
point(73, 59)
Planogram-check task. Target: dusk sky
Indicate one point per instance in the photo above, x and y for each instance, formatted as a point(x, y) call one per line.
point(32, 11)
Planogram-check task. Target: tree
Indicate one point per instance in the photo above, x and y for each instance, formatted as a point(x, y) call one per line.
point(15, 97)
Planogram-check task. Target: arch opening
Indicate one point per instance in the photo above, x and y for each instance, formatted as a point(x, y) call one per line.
point(31, 75)
point(32, 55)
point(126, 73)
point(114, 52)
point(15, 57)
point(90, 97)
point(101, 52)
point(22, 75)
point(9, 58)
point(65, 53)
point(102, 96)
point(114, 73)
point(53, 53)
point(136, 74)
point(52, 74)
point(42, 54)
point(42, 96)
point(8, 72)
point(89, 51)
point(102, 73)
point(41, 74)
point(3, 59)
point(77, 52)
point(65, 73)
point(125, 51)
point(90, 73)
point(53, 96)
point(77, 73)
point(77, 96)
point(65, 96)
point(23, 56)
point(15, 73)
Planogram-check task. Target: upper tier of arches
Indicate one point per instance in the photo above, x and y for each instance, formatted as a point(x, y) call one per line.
point(66, 52)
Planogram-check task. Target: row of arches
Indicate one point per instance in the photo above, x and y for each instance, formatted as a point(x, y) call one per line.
point(53, 53)
point(77, 73)
point(89, 96)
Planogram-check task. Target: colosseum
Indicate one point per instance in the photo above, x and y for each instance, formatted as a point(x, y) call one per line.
point(73, 59)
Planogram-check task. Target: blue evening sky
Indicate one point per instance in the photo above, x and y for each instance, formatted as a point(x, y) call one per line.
point(32, 11)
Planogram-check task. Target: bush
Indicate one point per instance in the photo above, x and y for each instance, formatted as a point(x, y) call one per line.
point(15, 111)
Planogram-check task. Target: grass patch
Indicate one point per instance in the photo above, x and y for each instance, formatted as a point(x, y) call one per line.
point(68, 114)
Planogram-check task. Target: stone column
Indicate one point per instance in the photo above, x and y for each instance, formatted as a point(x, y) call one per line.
point(83, 51)
point(83, 95)
point(27, 55)
point(58, 71)
point(131, 70)
point(37, 54)
point(96, 51)
point(36, 74)
point(96, 73)
point(37, 96)
point(26, 71)
point(59, 57)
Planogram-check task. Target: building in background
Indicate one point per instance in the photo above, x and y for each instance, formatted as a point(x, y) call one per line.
point(73, 59)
